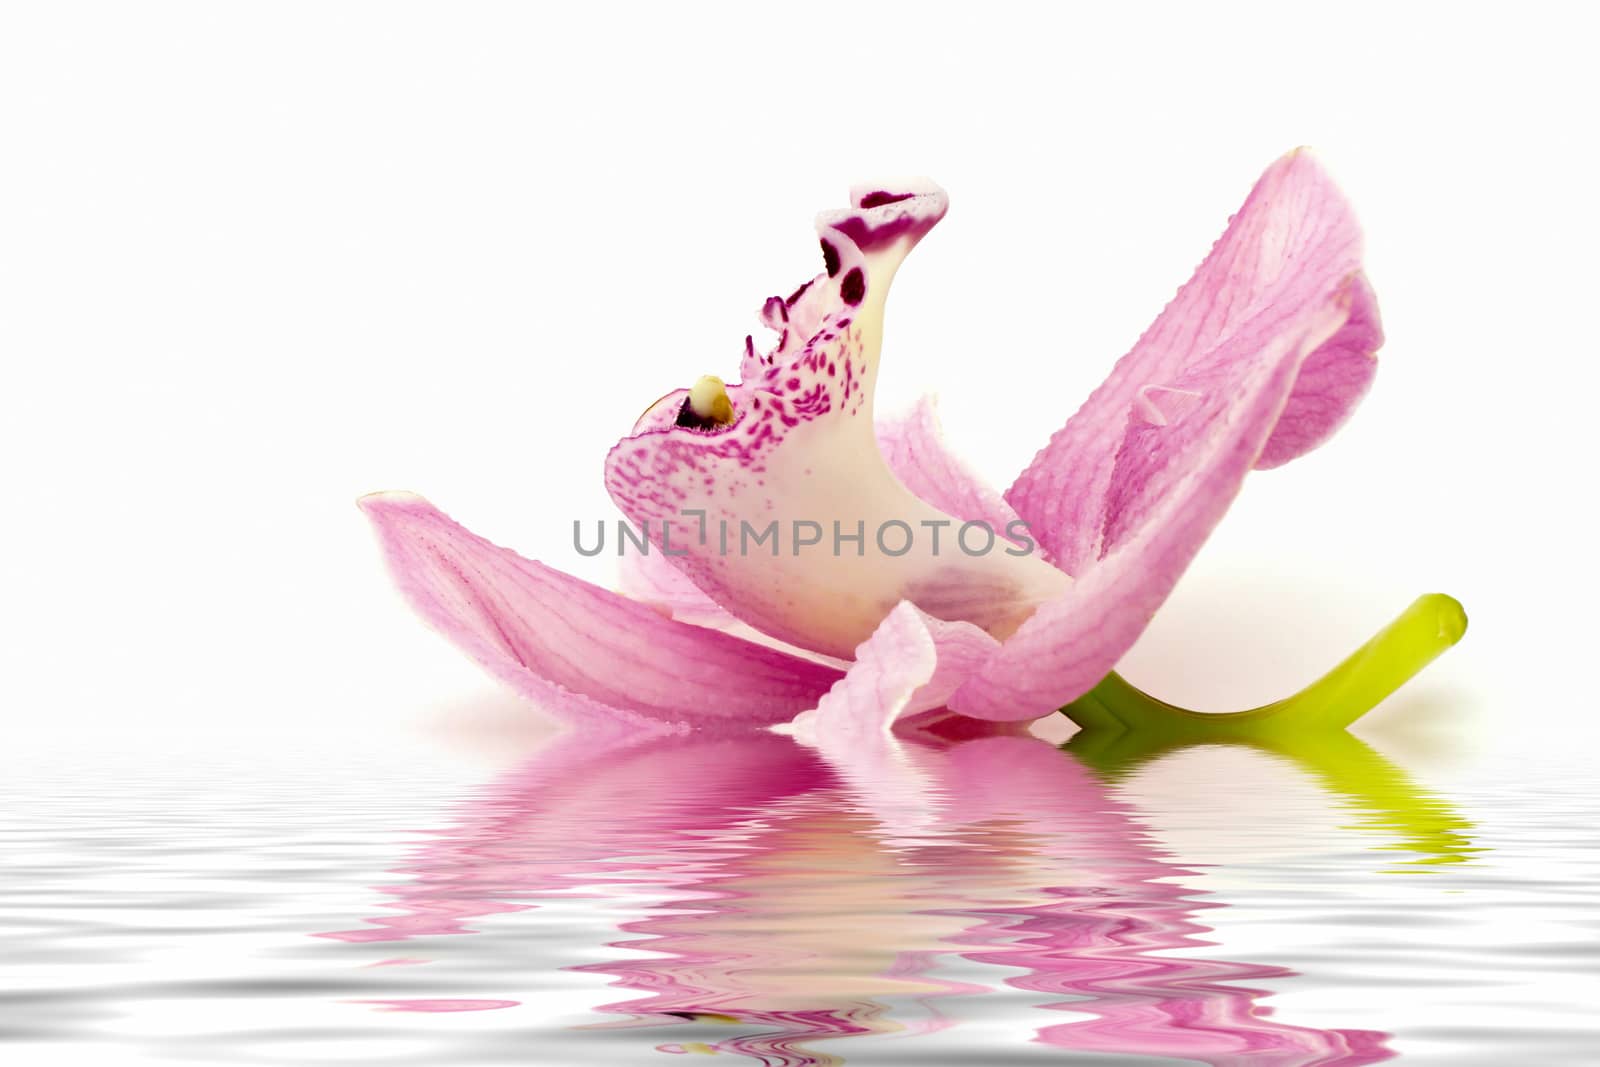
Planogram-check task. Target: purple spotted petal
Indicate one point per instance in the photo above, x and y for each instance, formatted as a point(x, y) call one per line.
point(802, 452)
point(912, 445)
point(584, 654)
point(1294, 233)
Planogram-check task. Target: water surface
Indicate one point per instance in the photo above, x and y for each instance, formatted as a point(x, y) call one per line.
point(993, 901)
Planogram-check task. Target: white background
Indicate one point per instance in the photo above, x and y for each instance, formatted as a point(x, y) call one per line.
point(258, 259)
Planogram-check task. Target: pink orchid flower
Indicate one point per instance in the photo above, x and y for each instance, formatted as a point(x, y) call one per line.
point(1257, 360)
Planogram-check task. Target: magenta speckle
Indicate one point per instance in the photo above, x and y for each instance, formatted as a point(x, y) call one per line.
point(879, 199)
point(854, 286)
point(830, 257)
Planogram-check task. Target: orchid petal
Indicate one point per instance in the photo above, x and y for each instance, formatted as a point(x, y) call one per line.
point(587, 655)
point(800, 449)
point(1173, 484)
point(913, 446)
point(1124, 495)
point(1294, 235)
point(650, 579)
point(1332, 381)
point(911, 663)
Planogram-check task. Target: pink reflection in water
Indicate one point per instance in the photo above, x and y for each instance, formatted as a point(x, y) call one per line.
point(1101, 933)
point(795, 905)
point(440, 1004)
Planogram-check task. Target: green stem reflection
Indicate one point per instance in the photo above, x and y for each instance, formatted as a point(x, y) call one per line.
point(1327, 706)
point(1124, 728)
point(1385, 797)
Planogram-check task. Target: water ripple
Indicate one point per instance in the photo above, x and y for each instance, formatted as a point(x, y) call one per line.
point(993, 901)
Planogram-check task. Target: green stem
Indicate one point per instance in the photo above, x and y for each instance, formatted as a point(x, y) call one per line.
point(1392, 657)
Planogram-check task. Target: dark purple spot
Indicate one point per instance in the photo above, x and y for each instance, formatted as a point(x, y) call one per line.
point(830, 257)
point(869, 237)
point(854, 286)
point(793, 383)
point(797, 293)
point(687, 417)
point(831, 370)
point(880, 199)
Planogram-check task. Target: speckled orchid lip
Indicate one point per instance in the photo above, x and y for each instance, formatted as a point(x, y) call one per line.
point(1257, 360)
point(794, 439)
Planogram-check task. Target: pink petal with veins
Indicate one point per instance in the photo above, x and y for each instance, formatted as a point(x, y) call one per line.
point(1295, 232)
point(1332, 381)
point(587, 655)
point(1159, 485)
point(911, 663)
point(913, 446)
point(650, 579)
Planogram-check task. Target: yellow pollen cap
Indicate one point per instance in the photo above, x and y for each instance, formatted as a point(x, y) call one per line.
point(708, 399)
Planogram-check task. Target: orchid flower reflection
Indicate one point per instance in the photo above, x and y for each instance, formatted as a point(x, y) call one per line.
point(782, 904)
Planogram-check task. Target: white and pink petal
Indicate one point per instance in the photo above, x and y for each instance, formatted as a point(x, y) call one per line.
point(730, 503)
